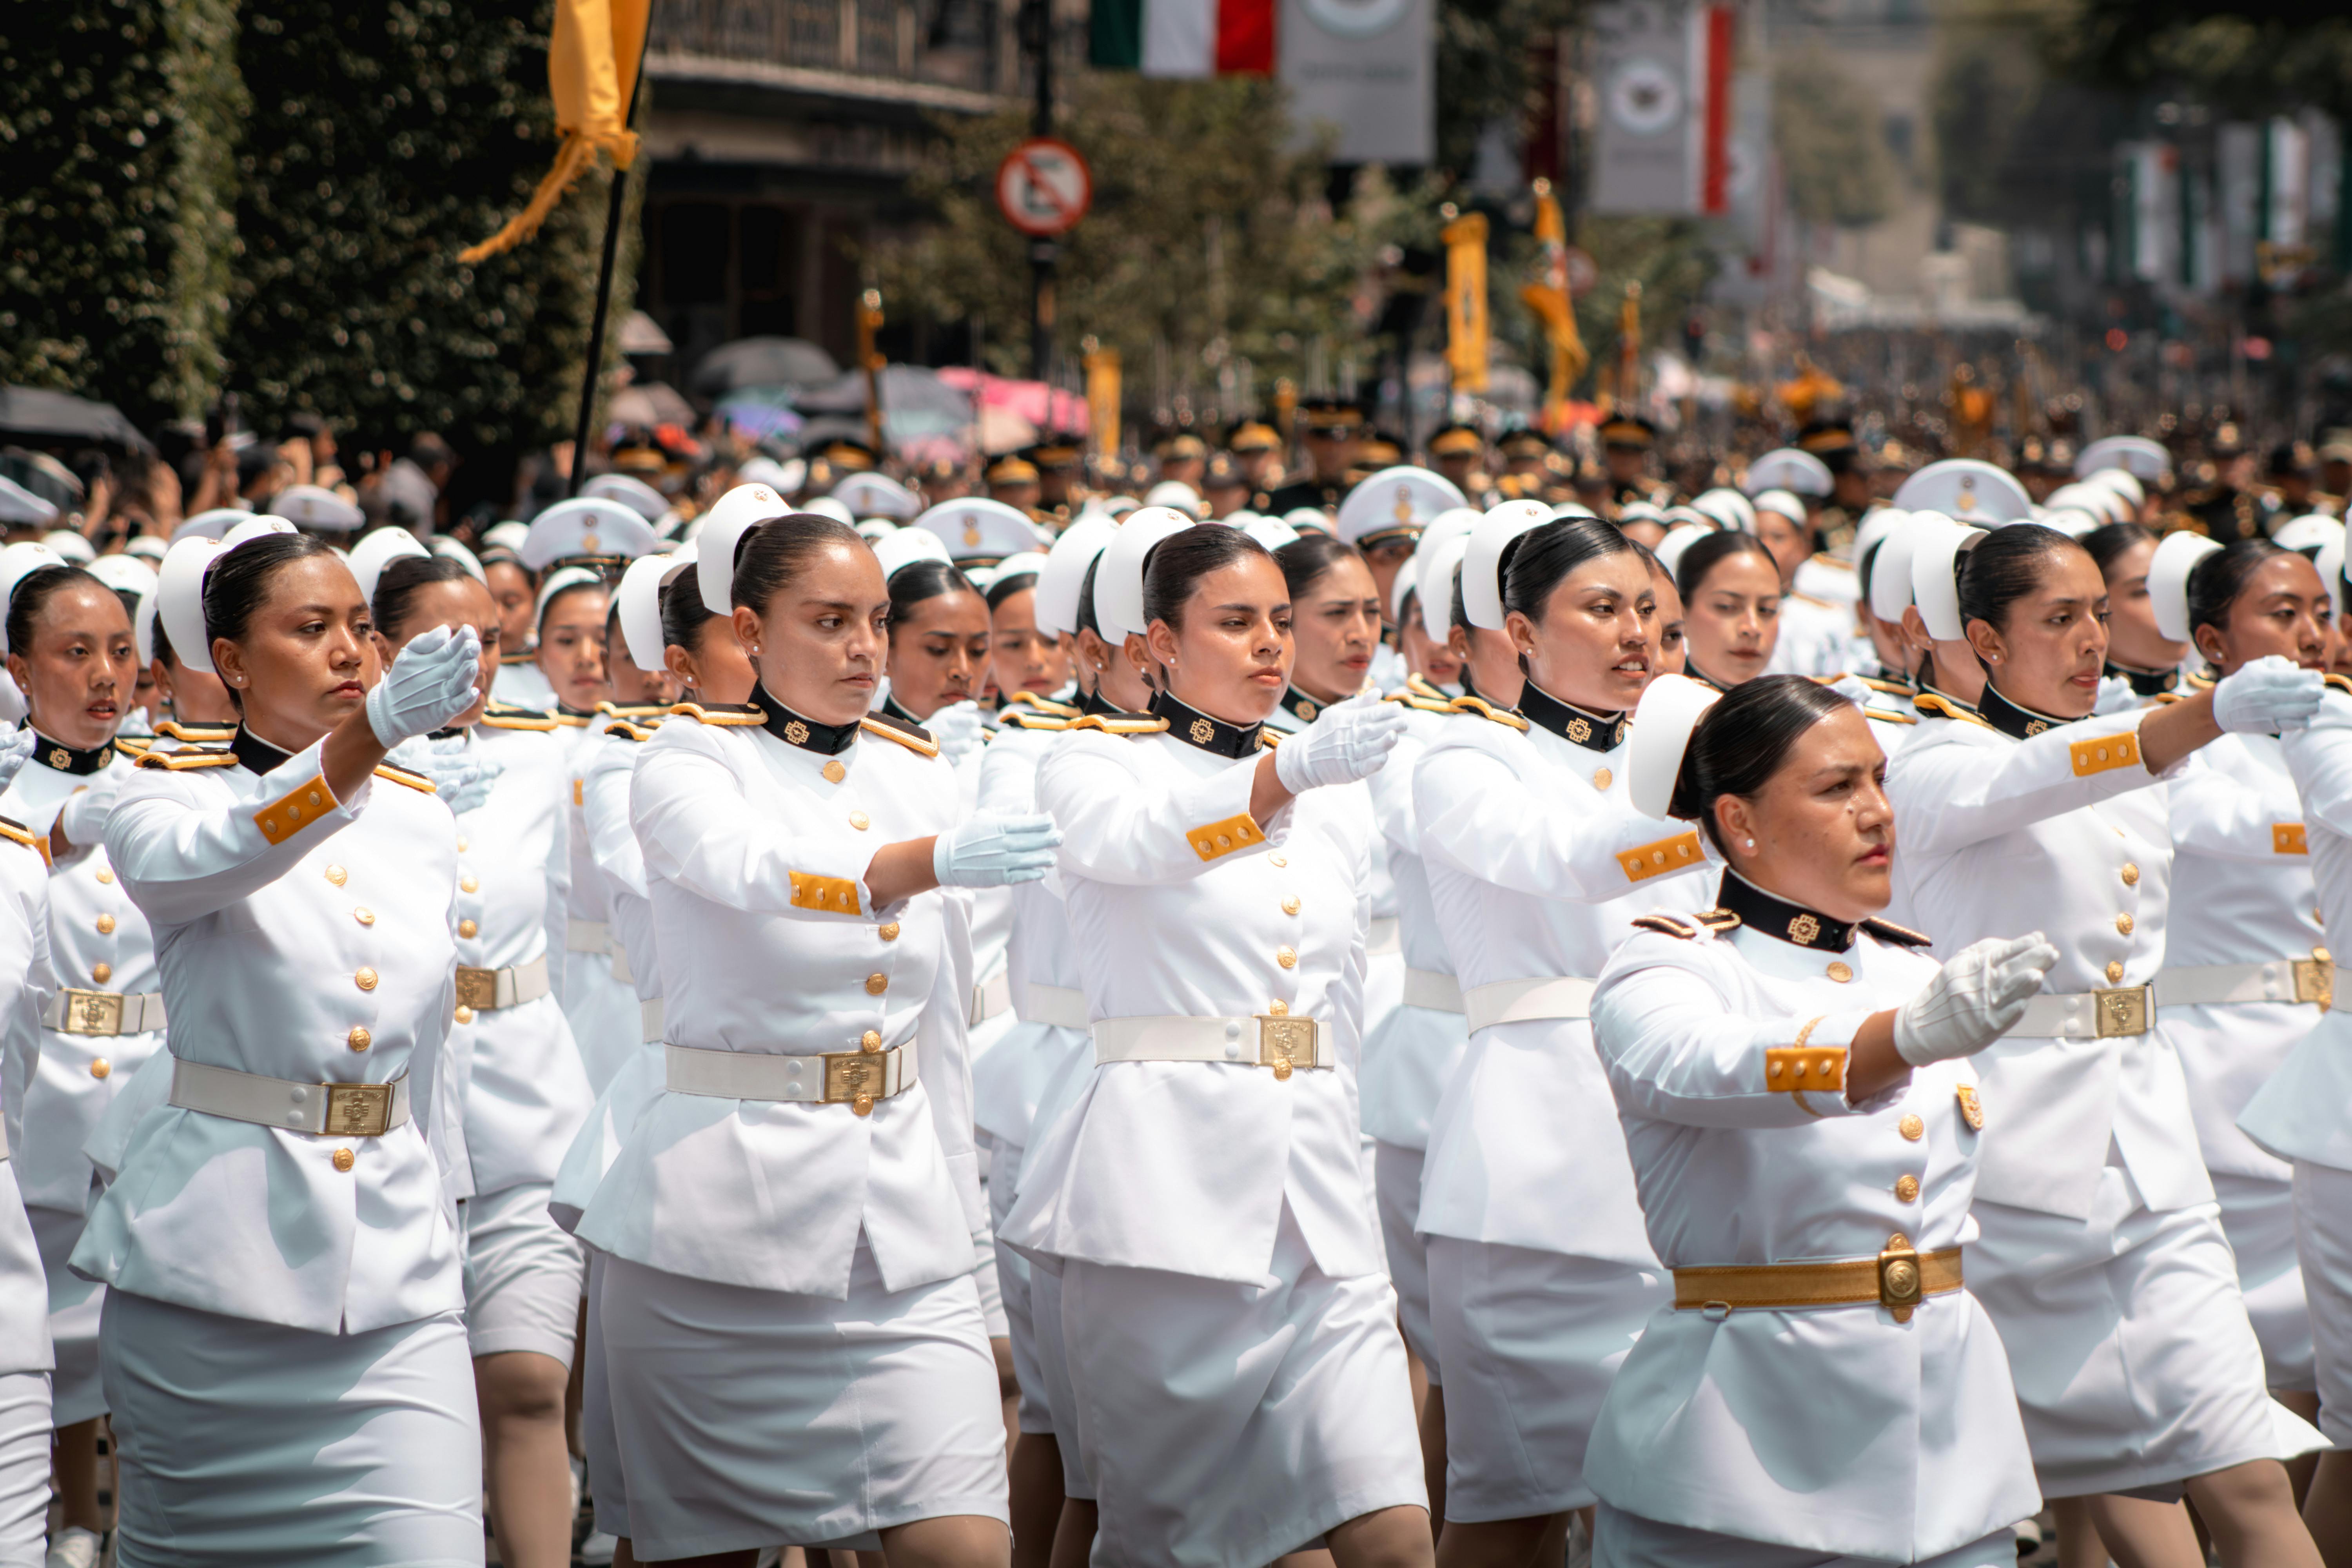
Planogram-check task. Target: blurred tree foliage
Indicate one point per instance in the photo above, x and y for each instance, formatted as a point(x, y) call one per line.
point(1483, 56)
point(2246, 57)
point(1829, 129)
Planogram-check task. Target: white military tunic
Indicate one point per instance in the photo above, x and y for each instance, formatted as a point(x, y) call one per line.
point(26, 1361)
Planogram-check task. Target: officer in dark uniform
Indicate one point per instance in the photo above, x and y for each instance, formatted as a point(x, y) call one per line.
point(1012, 479)
point(1627, 444)
point(2226, 504)
point(1333, 425)
point(1831, 440)
point(1224, 487)
point(1181, 458)
point(1060, 464)
point(1458, 451)
point(1255, 447)
point(1379, 450)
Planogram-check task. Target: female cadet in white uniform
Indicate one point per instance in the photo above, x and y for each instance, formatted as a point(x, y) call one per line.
point(2102, 1258)
point(70, 652)
point(2139, 651)
point(1730, 591)
point(283, 1349)
point(1231, 1333)
point(2246, 973)
point(26, 1362)
point(515, 1076)
point(1541, 1277)
point(794, 1345)
point(1821, 1390)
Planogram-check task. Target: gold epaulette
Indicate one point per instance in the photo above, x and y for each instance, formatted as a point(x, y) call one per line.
point(1420, 686)
point(1823, 557)
point(1902, 936)
point(195, 735)
point(1111, 726)
point(2163, 697)
point(1046, 705)
point(2341, 682)
point(1267, 740)
point(568, 720)
point(913, 737)
point(2201, 682)
point(180, 761)
point(1891, 688)
point(1666, 925)
point(1420, 704)
point(134, 746)
point(1485, 709)
point(1718, 921)
point(1810, 599)
point(11, 828)
point(1936, 706)
point(403, 776)
point(524, 657)
point(1035, 722)
point(628, 731)
point(1875, 716)
point(635, 711)
point(496, 717)
point(701, 715)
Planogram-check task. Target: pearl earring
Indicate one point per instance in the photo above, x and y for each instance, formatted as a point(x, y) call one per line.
point(1751, 844)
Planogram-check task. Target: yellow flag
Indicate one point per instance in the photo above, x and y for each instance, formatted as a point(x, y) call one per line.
point(1548, 298)
point(1102, 400)
point(1466, 301)
point(591, 72)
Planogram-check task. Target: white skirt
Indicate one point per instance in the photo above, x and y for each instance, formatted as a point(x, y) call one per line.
point(1396, 1189)
point(1530, 1341)
point(2134, 1363)
point(1061, 1395)
point(75, 1391)
point(1013, 1290)
point(2322, 1229)
point(608, 1483)
point(1621, 1539)
point(2258, 1216)
point(752, 1418)
point(1230, 1424)
point(252, 1445)
point(24, 1468)
point(523, 1275)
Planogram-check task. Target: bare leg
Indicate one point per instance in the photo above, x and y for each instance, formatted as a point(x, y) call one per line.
point(1418, 1375)
point(575, 1388)
point(1036, 1489)
point(521, 1398)
point(2250, 1508)
point(2304, 1402)
point(1073, 1538)
point(623, 1557)
point(2140, 1533)
point(1008, 1394)
point(953, 1540)
point(75, 1464)
point(1500, 1543)
point(1432, 1456)
point(1385, 1538)
point(1314, 1557)
point(2327, 1510)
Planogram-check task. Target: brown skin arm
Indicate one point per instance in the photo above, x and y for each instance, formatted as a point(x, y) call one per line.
point(1873, 1065)
point(350, 754)
point(2177, 729)
point(1267, 794)
point(900, 870)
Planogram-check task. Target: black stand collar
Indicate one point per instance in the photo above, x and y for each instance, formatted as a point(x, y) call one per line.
point(67, 759)
point(1579, 726)
point(2009, 719)
point(1195, 728)
point(1771, 916)
point(257, 755)
point(804, 734)
point(2144, 683)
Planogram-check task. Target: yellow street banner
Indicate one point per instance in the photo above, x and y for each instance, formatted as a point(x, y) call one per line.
point(1466, 301)
point(1102, 399)
point(592, 72)
point(1548, 299)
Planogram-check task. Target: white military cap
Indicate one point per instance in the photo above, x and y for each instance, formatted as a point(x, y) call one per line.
point(1783, 503)
point(1396, 503)
point(1876, 523)
point(1064, 573)
point(634, 493)
point(1729, 508)
point(1028, 562)
point(637, 601)
point(377, 551)
point(2123, 482)
point(74, 547)
point(869, 494)
point(508, 536)
point(1935, 577)
point(2177, 555)
point(587, 528)
point(1789, 468)
point(1677, 543)
point(18, 562)
point(1569, 508)
point(209, 524)
point(720, 539)
point(829, 506)
point(1482, 575)
point(906, 547)
point(143, 627)
point(1890, 574)
point(1175, 495)
point(563, 580)
point(1670, 708)
point(148, 547)
point(123, 573)
point(315, 507)
point(2135, 455)
point(20, 507)
point(1969, 490)
point(980, 530)
point(180, 587)
point(2313, 528)
point(781, 478)
point(1119, 577)
point(875, 530)
point(2105, 504)
point(2330, 561)
point(1675, 516)
point(1308, 519)
point(442, 544)
point(1434, 580)
point(1642, 511)
point(2071, 521)
point(1454, 522)
point(1270, 531)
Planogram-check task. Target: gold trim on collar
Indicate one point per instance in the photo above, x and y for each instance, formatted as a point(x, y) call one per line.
point(1936, 706)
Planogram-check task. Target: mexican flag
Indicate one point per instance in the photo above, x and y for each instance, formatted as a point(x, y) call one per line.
point(1183, 38)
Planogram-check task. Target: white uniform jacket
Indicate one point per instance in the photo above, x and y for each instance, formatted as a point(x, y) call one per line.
point(2301, 1113)
point(305, 940)
point(521, 684)
point(1837, 1429)
point(772, 944)
point(2065, 833)
point(1538, 865)
point(24, 978)
point(1814, 637)
point(1411, 1053)
point(1185, 1166)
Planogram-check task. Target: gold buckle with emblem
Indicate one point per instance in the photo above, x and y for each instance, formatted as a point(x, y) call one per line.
point(477, 988)
point(856, 1078)
point(2120, 1011)
point(1286, 1043)
point(359, 1110)
point(2314, 978)
point(1901, 1287)
point(92, 1013)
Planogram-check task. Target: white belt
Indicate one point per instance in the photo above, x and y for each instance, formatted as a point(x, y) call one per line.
point(482, 989)
point(2280, 980)
point(1434, 989)
point(989, 998)
point(1523, 1000)
point(587, 936)
point(1058, 1005)
point(649, 1015)
point(621, 970)
point(344, 1110)
point(854, 1078)
point(72, 1012)
point(1277, 1041)
point(2121, 1011)
point(1382, 938)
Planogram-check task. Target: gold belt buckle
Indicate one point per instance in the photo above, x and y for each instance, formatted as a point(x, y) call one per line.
point(477, 988)
point(2123, 1011)
point(1285, 1044)
point(2314, 978)
point(1901, 1288)
point(856, 1078)
point(359, 1110)
point(93, 1012)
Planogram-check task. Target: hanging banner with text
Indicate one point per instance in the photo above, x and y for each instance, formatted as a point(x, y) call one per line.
point(1365, 67)
point(1663, 71)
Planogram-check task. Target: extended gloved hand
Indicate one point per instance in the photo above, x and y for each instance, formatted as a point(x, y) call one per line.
point(958, 729)
point(431, 682)
point(15, 751)
point(2115, 696)
point(461, 775)
point(1350, 741)
point(1976, 998)
point(83, 817)
point(993, 851)
point(2270, 695)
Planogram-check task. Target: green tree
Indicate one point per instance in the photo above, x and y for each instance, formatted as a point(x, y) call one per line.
point(1827, 127)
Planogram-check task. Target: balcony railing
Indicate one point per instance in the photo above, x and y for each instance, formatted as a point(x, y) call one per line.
point(948, 43)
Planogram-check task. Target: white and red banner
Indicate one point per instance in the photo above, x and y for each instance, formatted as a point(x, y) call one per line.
point(1663, 145)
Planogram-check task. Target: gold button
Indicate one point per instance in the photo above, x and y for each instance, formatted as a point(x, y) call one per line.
point(1912, 1128)
point(466, 928)
point(2124, 924)
point(468, 885)
point(2131, 875)
point(105, 876)
point(463, 844)
point(889, 932)
point(2114, 972)
point(1277, 1009)
point(1277, 860)
point(1290, 906)
point(101, 972)
point(860, 821)
point(877, 984)
point(100, 1068)
point(1601, 777)
point(367, 917)
point(465, 1014)
point(365, 979)
point(336, 874)
point(1906, 1188)
point(871, 1040)
point(835, 773)
point(345, 1159)
point(358, 1039)
point(1224, 842)
point(106, 925)
point(1286, 956)
point(315, 798)
point(1840, 970)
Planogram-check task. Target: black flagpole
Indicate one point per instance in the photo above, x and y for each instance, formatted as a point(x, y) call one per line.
point(604, 282)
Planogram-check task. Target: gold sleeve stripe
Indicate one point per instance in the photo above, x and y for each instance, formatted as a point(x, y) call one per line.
point(2104, 754)
point(1793, 1070)
point(2286, 838)
point(915, 743)
point(814, 892)
point(1647, 860)
point(296, 809)
point(403, 776)
point(1224, 838)
point(25, 837)
point(181, 762)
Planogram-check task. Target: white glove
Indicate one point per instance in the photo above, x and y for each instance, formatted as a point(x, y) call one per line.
point(85, 811)
point(2268, 696)
point(461, 775)
point(1852, 688)
point(2115, 696)
point(430, 682)
point(15, 751)
point(1350, 741)
point(991, 851)
point(958, 729)
point(1974, 1000)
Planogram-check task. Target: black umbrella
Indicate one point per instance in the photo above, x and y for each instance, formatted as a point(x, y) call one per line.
point(763, 361)
point(28, 411)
